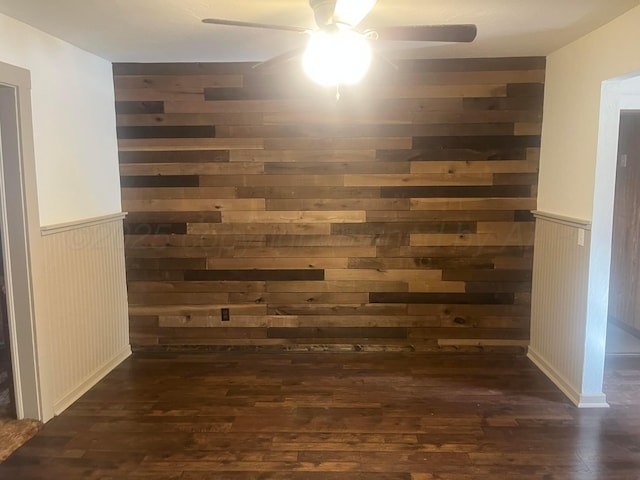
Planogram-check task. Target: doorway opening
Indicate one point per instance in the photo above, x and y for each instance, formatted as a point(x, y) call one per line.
point(19, 235)
point(617, 94)
point(623, 328)
point(7, 392)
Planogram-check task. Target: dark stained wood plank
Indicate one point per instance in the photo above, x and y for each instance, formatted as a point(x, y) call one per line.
point(181, 131)
point(191, 156)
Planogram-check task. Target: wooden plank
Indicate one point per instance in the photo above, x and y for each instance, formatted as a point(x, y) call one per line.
point(338, 286)
point(168, 286)
point(441, 91)
point(279, 263)
point(220, 168)
point(493, 167)
point(308, 156)
point(256, 216)
point(385, 275)
point(368, 204)
point(333, 143)
point(191, 204)
point(196, 309)
point(190, 156)
point(178, 82)
point(271, 180)
point(427, 179)
point(335, 168)
point(294, 191)
point(254, 275)
point(309, 298)
point(502, 235)
point(178, 144)
point(141, 119)
point(165, 193)
point(150, 95)
point(305, 252)
point(259, 229)
point(473, 203)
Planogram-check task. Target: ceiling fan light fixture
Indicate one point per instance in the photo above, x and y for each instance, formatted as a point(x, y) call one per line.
point(340, 57)
point(352, 12)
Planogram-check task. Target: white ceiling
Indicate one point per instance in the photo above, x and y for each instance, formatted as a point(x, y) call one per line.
point(171, 31)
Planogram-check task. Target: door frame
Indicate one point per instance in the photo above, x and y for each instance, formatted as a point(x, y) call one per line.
point(20, 230)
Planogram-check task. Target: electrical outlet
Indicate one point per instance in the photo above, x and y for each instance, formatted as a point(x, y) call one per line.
point(224, 314)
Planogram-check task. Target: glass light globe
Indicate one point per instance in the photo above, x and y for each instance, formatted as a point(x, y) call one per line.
point(337, 58)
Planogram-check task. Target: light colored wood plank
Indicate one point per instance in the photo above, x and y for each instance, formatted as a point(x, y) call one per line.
point(338, 286)
point(369, 204)
point(352, 117)
point(347, 216)
point(473, 203)
point(436, 287)
point(489, 167)
point(187, 144)
point(384, 275)
point(528, 128)
point(310, 298)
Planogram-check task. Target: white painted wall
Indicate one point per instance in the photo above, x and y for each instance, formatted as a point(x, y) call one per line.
point(572, 112)
point(70, 173)
point(578, 165)
point(73, 121)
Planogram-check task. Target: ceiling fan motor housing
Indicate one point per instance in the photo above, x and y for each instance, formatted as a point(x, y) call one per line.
point(323, 11)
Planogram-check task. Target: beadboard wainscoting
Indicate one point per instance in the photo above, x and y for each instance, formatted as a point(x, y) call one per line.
point(87, 304)
point(396, 218)
point(559, 302)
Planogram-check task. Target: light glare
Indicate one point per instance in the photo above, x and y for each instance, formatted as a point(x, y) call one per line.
point(339, 58)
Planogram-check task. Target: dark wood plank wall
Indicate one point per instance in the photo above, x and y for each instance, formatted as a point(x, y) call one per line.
point(397, 218)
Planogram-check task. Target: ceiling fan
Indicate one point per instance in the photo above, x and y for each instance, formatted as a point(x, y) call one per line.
point(338, 51)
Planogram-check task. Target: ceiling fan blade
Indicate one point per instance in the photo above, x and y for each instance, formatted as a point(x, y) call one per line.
point(352, 12)
point(279, 59)
point(429, 33)
point(268, 26)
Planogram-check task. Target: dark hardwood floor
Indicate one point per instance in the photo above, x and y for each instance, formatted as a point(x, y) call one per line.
point(242, 416)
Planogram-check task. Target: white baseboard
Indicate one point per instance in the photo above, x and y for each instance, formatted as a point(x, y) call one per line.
point(579, 400)
point(65, 402)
